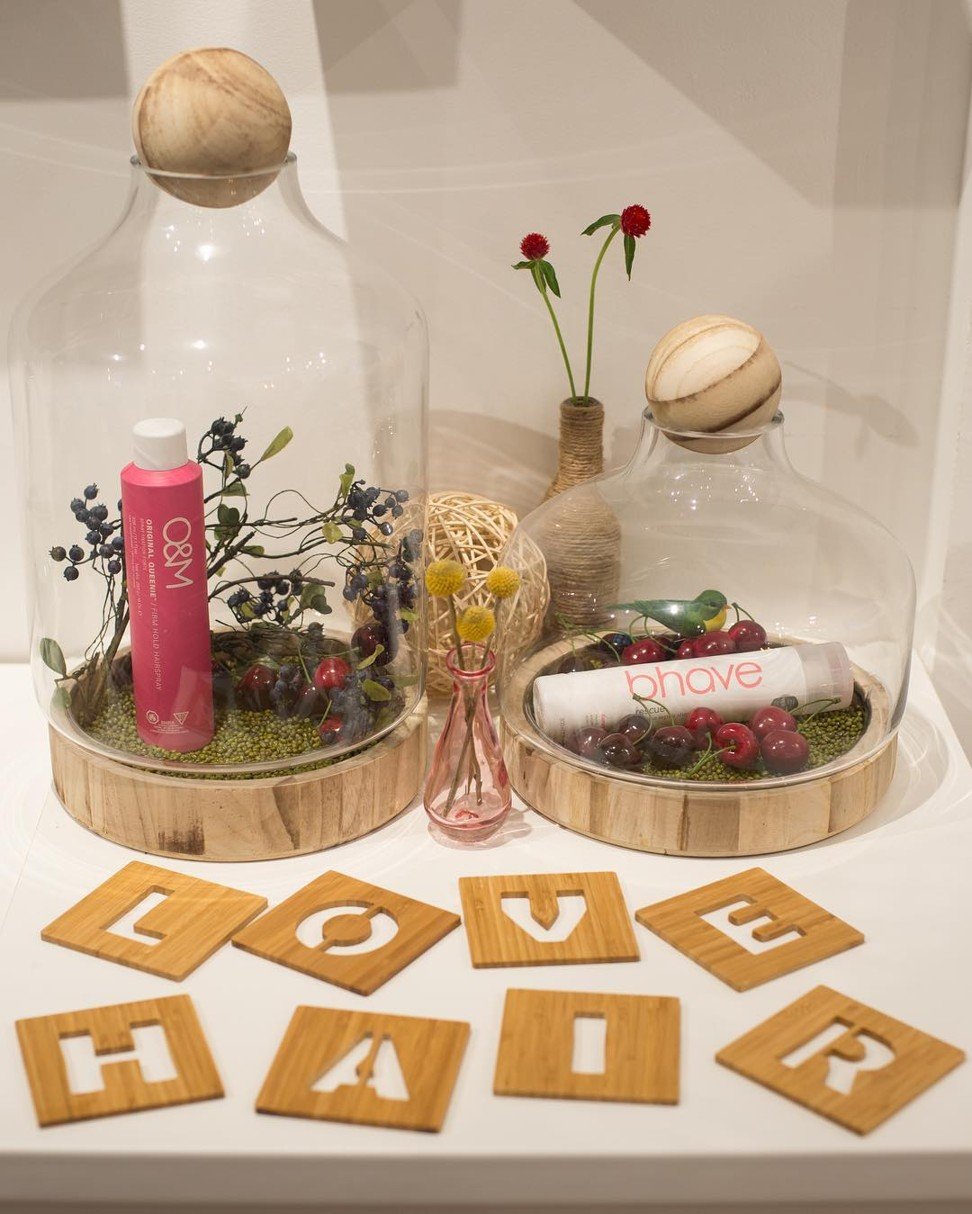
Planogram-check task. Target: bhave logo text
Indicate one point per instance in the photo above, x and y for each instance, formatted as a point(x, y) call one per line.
point(696, 681)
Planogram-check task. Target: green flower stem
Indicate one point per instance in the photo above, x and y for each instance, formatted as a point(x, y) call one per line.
point(560, 338)
point(590, 311)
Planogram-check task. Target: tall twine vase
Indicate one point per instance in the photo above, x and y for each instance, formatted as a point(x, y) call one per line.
point(583, 561)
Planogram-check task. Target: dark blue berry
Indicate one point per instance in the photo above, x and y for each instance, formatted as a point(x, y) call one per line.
point(242, 471)
point(350, 593)
point(117, 543)
point(386, 528)
point(58, 553)
point(100, 512)
point(71, 573)
point(76, 505)
point(76, 553)
point(379, 510)
point(104, 550)
point(91, 493)
point(114, 566)
point(81, 516)
point(93, 537)
point(397, 512)
point(401, 495)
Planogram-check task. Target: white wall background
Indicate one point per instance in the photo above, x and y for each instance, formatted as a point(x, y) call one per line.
point(803, 164)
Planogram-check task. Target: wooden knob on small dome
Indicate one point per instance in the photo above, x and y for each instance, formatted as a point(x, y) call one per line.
point(713, 374)
point(212, 113)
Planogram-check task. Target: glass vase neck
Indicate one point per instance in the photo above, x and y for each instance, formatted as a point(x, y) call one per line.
point(478, 667)
point(757, 447)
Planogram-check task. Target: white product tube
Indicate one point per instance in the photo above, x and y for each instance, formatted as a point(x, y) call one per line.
point(734, 684)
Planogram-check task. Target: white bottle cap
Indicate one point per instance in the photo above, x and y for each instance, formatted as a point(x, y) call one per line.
point(159, 444)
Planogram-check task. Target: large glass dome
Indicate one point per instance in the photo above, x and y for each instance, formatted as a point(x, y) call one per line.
point(299, 373)
point(708, 576)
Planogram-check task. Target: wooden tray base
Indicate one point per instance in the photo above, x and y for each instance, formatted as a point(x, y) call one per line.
point(693, 819)
point(260, 819)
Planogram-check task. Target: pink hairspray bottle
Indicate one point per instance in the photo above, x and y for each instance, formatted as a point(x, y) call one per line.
point(165, 568)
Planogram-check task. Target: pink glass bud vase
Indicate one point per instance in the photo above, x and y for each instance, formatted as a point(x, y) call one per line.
point(467, 791)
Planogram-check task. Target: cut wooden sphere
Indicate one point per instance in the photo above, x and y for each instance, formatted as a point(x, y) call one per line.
point(716, 375)
point(217, 116)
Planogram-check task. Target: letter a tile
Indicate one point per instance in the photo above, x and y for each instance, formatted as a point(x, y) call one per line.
point(805, 932)
point(566, 919)
point(359, 908)
point(638, 1060)
point(841, 1059)
point(122, 1086)
point(195, 918)
point(365, 1068)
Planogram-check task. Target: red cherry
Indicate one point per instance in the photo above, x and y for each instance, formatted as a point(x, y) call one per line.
point(331, 674)
point(686, 648)
point(748, 635)
point(784, 752)
point(714, 643)
point(672, 746)
point(704, 720)
point(645, 650)
point(584, 741)
point(765, 720)
point(253, 688)
point(617, 751)
point(331, 730)
point(636, 727)
point(737, 745)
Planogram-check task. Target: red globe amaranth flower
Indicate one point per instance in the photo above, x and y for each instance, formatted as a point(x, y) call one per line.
point(534, 246)
point(635, 221)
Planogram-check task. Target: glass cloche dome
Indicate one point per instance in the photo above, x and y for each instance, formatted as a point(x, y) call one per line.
point(717, 621)
point(298, 373)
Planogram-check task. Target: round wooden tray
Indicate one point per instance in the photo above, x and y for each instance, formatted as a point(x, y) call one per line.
point(257, 819)
point(690, 819)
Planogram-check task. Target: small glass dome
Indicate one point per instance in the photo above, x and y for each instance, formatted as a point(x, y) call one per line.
point(299, 373)
point(709, 586)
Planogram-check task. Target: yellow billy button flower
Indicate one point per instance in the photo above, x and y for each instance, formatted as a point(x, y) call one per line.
point(476, 624)
point(502, 581)
point(444, 578)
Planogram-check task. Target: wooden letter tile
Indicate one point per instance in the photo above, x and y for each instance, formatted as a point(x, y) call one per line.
point(812, 932)
point(196, 918)
point(641, 1047)
point(417, 927)
point(365, 1068)
point(841, 1058)
point(124, 1088)
point(602, 933)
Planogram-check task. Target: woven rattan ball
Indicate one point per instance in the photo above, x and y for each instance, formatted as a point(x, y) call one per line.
point(474, 531)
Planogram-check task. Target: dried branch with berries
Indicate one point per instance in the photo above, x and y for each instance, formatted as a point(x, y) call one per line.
point(265, 567)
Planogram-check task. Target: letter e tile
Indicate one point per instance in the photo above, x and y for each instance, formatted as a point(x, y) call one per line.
point(788, 930)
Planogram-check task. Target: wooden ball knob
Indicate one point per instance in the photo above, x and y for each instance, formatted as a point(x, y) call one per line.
point(212, 112)
point(713, 374)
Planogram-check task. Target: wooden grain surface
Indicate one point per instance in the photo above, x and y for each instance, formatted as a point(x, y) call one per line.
point(212, 112)
point(679, 922)
point(196, 918)
point(876, 1093)
point(419, 926)
point(685, 819)
point(641, 1055)
point(604, 932)
point(125, 1090)
point(428, 1053)
point(259, 819)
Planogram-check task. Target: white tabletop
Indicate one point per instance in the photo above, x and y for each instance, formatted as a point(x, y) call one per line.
point(901, 877)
